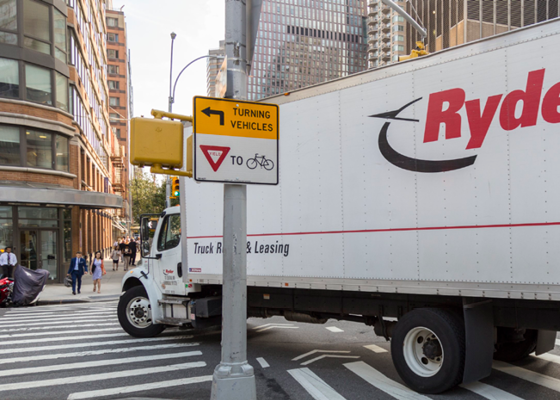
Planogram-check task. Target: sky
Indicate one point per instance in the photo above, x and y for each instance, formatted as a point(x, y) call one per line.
point(199, 25)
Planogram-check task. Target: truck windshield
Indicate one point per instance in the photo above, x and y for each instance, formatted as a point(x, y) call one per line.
point(170, 233)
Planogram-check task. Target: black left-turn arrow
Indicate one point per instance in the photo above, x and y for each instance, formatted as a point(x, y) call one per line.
point(208, 111)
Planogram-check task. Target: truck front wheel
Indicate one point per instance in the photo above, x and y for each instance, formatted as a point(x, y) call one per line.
point(135, 314)
point(428, 350)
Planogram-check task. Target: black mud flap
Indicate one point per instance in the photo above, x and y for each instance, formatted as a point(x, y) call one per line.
point(479, 338)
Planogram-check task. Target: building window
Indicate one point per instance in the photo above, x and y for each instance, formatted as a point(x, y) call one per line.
point(61, 92)
point(38, 84)
point(114, 22)
point(9, 78)
point(8, 21)
point(114, 101)
point(113, 117)
point(398, 38)
point(61, 153)
point(113, 37)
point(112, 53)
point(118, 133)
point(36, 26)
point(113, 69)
point(59, 35)
point(39, 149)
point(113, 85)
point(398, 28)
point(9, 145)
point(398, 47)
point(398, 18)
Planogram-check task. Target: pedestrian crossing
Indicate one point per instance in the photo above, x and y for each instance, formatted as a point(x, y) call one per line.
point(81, 352)
point(76, 352)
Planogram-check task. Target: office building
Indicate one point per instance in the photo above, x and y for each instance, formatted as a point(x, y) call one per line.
point(120, 109)
point(56, 190)
point(386, 34)
point(213, 67)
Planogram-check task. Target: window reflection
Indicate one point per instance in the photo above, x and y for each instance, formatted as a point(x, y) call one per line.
point(39, 149)
point(38, 84)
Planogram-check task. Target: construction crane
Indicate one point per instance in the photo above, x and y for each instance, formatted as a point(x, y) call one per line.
point(420, 49)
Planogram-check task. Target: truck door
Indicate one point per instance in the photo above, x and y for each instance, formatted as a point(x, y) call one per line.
point(168, 269)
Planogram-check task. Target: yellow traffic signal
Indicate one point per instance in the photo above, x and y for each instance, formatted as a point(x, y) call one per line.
point(175, 190)
point(156, 142)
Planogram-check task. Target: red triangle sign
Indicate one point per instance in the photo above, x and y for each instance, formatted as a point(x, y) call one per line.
point(215, 155)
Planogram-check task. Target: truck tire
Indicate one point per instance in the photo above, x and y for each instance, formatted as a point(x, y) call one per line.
point(510, 352)
point(135, 314)
point(428, 350)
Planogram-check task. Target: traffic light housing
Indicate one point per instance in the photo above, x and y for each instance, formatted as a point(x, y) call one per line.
point(175, 189)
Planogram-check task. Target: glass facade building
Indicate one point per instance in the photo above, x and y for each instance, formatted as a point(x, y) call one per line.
point(305, 42)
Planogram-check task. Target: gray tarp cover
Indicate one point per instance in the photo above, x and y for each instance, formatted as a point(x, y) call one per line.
point(28, 284)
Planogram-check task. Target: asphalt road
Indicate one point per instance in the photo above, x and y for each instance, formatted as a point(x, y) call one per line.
point(80, 352)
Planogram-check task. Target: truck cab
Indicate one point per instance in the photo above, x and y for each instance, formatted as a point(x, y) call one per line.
point(155, 294)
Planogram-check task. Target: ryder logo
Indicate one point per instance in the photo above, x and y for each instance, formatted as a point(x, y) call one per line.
point(444, 108)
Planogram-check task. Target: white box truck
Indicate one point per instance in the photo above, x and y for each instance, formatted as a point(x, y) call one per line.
point(427, 191)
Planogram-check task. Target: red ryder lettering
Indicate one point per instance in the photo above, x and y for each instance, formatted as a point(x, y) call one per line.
point(444, 107)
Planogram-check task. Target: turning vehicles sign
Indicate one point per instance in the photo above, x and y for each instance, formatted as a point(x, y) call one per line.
point(235, 141)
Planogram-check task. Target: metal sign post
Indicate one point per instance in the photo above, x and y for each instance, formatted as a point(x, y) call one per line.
point(234, 378)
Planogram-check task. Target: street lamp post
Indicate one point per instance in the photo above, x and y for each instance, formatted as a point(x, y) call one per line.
point(169, 106)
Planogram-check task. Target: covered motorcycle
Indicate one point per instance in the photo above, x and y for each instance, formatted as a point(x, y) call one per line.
point(28, 284)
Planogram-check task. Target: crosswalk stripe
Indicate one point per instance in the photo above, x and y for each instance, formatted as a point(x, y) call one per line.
point(525, 374)
point(380, 381)
point(61, 312)
point(315, 386)
point(35, 358)
point(56, 327)
point(60, 322)
point(59, 339)
point(98, 377)
point(557, 342)
point(61, 317)
point(98, 363)
point(549, 357)
point(63, 321)
point(90, 344)
point(138, 388)
point(34, 334)
point(263, 362)
point(489, 392)
point(375, 349)
point(334, 329)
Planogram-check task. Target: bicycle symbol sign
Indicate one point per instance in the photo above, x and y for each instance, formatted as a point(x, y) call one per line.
point(235, 141)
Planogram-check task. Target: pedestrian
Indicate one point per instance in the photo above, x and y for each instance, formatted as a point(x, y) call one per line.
point(78, 267)
point(116, 255)
point(122, 245)
point(126, 256)
point(8, 261)
point(97, 269)
point(133, 249)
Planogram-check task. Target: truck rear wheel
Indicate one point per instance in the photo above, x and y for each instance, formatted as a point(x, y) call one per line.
point(428, 350)
point(135, 314)
point(515, 351)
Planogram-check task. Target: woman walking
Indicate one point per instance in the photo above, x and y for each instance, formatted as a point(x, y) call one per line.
point(97, 271)
point(127, 253)
point(116, 255)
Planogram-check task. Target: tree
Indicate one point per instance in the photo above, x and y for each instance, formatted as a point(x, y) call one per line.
point(148, 196)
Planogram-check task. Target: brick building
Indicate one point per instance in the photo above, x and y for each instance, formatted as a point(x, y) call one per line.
point(56, 172)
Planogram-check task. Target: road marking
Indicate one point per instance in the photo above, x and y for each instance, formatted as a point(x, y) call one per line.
point(277, 327)
point(18, 335)
point(98, 377)
point(59, 312)
point(315, 386)
point(98, 363)
point(138, 388)
point(375, 349)
point(60, 322)
point(326, 356)
point(103, 314)
point(60, 339)
point(557, 342)
point(333, 329)
point(319, 351)
point(91, 344)
point(380, 381)
point(56, 327)
point(489, 392)
point(549, 357)
point(263, 362)
point(95, 352)
point(262, 326)
point(534, 377)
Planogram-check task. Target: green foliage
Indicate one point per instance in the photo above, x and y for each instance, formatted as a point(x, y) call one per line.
point(148, 195)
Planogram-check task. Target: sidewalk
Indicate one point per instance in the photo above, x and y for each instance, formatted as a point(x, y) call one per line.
point(110, 288)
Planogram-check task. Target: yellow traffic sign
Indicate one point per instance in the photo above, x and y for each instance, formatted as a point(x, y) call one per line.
point(228, 117)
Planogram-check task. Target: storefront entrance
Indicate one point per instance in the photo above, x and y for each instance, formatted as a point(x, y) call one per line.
point(39, 249)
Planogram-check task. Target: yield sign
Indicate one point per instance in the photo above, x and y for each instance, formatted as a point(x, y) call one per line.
point(215, 155)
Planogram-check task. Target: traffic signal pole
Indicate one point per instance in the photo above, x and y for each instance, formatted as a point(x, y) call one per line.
point(234, 378)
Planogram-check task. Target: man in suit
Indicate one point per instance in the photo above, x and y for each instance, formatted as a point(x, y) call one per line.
point(78, 267)
point(8, 261)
